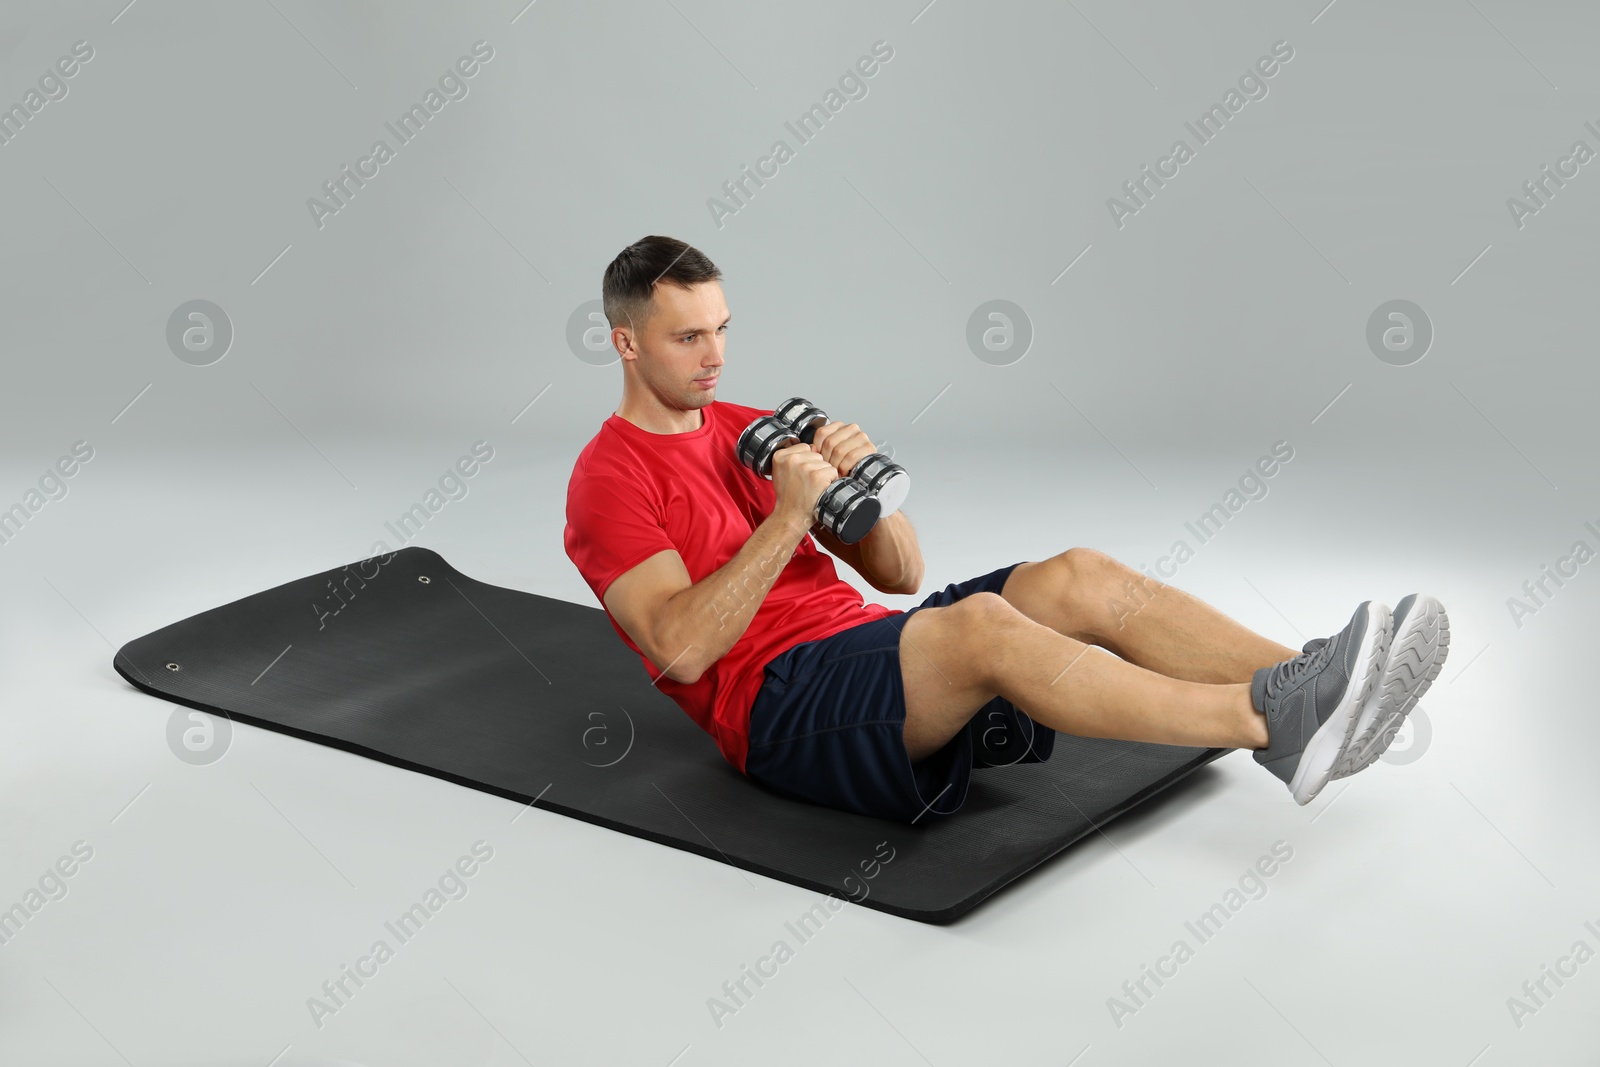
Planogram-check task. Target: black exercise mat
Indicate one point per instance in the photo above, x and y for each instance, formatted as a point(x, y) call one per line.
point(534, 699)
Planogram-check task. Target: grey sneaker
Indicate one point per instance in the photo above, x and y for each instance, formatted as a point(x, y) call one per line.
point(1417, 650)
point(1312, 702)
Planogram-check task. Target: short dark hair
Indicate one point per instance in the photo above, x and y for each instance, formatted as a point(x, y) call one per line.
point(631, 278)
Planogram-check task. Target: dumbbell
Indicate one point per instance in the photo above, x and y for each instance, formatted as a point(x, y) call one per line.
point(877, 473)
point(845, 508)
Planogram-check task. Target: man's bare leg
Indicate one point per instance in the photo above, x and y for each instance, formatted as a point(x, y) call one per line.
point(954, 659)
point(1095, 598)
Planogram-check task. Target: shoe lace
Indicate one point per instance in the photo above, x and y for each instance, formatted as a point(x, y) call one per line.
point(1313, 657)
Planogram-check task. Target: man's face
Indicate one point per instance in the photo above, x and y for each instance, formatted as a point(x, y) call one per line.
point(681, 347)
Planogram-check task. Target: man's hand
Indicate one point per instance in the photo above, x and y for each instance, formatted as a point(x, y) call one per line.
point(843, 445)
point(800, 477)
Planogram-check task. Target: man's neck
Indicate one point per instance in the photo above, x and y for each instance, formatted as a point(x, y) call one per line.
point(661, 419)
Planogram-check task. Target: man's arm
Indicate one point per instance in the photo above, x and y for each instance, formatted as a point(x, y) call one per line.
point(684, 628)
point(889, 557)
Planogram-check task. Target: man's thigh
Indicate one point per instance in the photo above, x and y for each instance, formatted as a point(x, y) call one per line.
point(943, 667)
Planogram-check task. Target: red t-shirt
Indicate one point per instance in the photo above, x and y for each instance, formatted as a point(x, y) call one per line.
point(634, 493)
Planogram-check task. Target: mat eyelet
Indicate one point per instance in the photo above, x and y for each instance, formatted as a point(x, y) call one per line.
point(173, 667)
point(424, 579)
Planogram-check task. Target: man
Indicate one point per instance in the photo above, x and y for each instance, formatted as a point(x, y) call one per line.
point(706, 570)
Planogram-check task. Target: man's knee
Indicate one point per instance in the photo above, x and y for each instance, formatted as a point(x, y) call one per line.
point(970, 616)
point(960, 636)
point(1087, 565)
point(979, 613)
point(1103, 591)
point(984, 622)
point(947, 662)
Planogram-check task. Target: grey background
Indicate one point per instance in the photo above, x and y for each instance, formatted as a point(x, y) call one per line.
point(431, 312)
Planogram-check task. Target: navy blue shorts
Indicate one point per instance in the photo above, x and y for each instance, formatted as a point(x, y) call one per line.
point(827, 725)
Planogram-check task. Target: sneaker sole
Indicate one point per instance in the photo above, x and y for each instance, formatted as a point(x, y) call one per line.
point(1332, 740)
point(1417, 653)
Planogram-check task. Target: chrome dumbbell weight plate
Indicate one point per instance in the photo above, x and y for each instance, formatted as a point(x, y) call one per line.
point(848, 510)
point(884, 479)
point(805, 417)
point(760, 440)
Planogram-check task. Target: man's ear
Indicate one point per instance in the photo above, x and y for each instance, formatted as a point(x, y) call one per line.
point(622, 342)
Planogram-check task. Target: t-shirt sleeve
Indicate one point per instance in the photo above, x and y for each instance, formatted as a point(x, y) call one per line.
point(613, 525)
